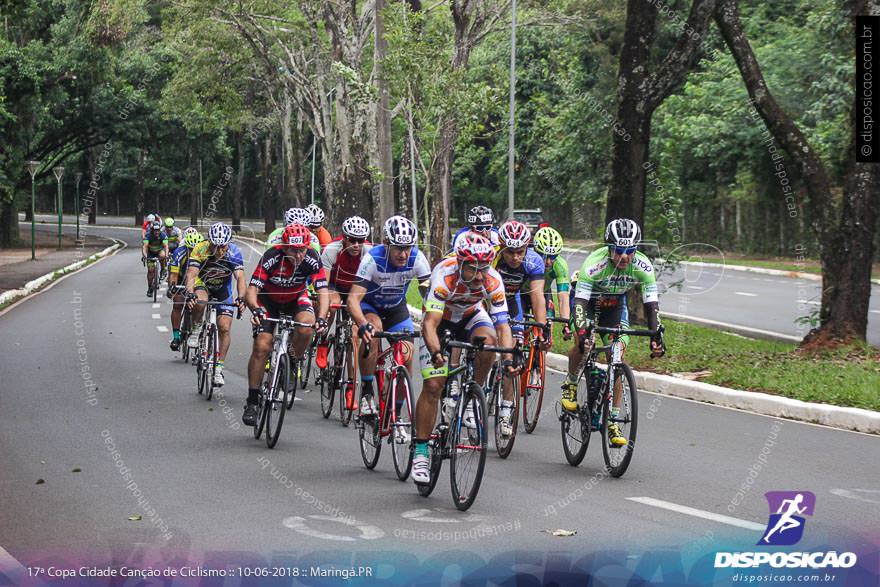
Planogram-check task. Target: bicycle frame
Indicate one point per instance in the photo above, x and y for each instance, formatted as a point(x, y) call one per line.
point(394, 355)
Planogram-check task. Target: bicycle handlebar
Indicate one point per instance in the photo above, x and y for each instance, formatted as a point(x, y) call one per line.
point(480, 346)
point(289, 322)
point(627, 331)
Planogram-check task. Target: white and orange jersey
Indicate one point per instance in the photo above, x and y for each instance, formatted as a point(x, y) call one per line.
point(449, 295)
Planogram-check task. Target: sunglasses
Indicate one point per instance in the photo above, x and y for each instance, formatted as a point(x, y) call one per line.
point(476, 268)
point(623, 250)
point(550, 258)
point(355, 240)
point(481, 227)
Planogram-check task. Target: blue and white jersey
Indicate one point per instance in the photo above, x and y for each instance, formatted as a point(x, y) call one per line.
point(386, 284)
point(493, 236)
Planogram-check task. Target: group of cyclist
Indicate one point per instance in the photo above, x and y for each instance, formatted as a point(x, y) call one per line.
point(490, 279)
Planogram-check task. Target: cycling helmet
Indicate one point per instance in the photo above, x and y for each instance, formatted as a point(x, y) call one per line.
point(548, 241)
point(169, 222)
point(156, 226)
point(151, 217)
point(296, 235)
point(400, 231)
point(623, 232)
point(297, 216)
point(514, 234)
point(480, 215)
point(474, 248)
point(317, 216)
point(356, 227)
point(188, 230)
point(191, 239)
point(219, 233)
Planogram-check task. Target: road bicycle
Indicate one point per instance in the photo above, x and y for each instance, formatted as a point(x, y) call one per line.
point(596, 393)
point(494, 397)
point(534, 374)
point(207, 351)
point(463, 445)
point(154, 283)
point(394, 421)
point(340, 360)
point(278, 390)
point(185, 323)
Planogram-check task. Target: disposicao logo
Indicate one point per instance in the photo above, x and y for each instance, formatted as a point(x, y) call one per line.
point(785, 527)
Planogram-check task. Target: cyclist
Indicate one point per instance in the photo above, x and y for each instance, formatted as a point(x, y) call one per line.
point(481, 220)
point(214, 264)
point(174, 234)
point(316, 225)
point(378, 297)
point(278, 286)
point(521, 270)
point(179, 259)
point(341, 259)
point(148, 222)
point(155, 247)
point(547, 242)
point(600, 298)
point(456, 293)
point(293, 216)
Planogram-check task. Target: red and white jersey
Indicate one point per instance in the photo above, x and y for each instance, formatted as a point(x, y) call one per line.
point(448, 294)
point(341, 264)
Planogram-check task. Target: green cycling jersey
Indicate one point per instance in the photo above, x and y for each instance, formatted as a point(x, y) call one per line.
point(598, 276)
point(557, 272)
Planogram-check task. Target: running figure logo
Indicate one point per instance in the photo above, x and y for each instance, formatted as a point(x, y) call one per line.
point(786, 524)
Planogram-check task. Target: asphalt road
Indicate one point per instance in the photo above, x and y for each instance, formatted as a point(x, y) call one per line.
point(220, 491)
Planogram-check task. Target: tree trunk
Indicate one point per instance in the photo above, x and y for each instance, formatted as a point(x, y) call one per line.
point(385, 207)
point(193, 177)
point(269, 202)
point(845, 248)
point(239, 183)
point(440, 187)
point(9, 233)
point(738, 225)
point(139, 190)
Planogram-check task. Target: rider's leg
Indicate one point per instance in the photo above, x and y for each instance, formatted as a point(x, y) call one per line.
point(257, 363)
point(303, 334)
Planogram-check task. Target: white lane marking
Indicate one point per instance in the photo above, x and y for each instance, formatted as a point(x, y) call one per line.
point(814, 302)
point(157, 316)
point(854, 494)
point(744, 329)
point(156, 306)
point(421, 515)
point(162, 328)
point(683, 509)
point(694, 287)
point(874, 311)
point(745, 293)
point(367, 531)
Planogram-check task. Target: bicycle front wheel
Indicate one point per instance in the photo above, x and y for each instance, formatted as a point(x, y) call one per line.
point(401, 423)
point(468, 448)
point(347, 397)
point(576, 426)
point(201, 361)
point(326, 381)
point(305, 367)
point(292, 381)
point(211, 365)
point(435, 456)
point(370, 441)
point(276, 399)
point(504, 444)
point(533, 390)
point(617, 458)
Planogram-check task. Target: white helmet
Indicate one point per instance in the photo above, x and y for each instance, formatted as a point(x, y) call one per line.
point(400, 231)
point(623, 232)
point(219, 233)
point(297, 216)
point(317, 216)
point(356, 227)
point(151, 217)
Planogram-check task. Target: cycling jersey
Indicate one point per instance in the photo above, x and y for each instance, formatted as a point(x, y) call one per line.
point(179, 258)
point(277, 278)
point(215, 274)
point(449, 295)
point(342, 265)
point(175, 236)
point(324, 237)
point(599, 277)
point(386, 284)
point(532, 267)
point(155, 243)
point(557, 272)
point(275, 239)
point(493, 236)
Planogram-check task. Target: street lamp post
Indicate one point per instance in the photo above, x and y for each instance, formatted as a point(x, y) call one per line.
point(510, 145)
point(78, 175)
point(59, 173)
point(32, 169)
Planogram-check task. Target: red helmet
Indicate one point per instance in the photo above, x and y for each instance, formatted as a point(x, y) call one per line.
point(474, 248)
point(296, 235)
point(514, 234)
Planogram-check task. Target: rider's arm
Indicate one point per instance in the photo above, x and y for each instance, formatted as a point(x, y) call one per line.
point(430, 321)
point(539, 304)
point(354, 304)
point(192, 273)
point(505, 337)
point(240, 283)
point(250, 297)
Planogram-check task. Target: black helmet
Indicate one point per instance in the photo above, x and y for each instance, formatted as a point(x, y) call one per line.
point(480, 215)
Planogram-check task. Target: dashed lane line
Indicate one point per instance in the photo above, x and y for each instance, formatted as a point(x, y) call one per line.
point(162, 328)
point(745, 293)
point(157, 316)
point(683, 509)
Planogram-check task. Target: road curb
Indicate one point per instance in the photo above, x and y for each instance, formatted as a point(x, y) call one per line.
point(747, 331)
point(12, 295)
point(766, 404)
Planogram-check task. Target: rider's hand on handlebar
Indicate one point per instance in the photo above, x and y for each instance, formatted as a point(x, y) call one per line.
point(658, 349)
point(566, 332)
point(321, 326)
point(365, 331)
point(257, 315)
point(438, 359)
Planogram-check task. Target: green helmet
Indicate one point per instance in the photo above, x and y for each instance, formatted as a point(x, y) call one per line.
point(169, 222)
point(192, 239)
point(548, 241)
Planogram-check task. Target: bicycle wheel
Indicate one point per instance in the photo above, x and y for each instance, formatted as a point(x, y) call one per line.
point(185, 329)
point(370, 441)
point(345, 384)
point(211, 366)
point(276, 398)
point(576, 426)
point(617, 458)
point(327, 382)
point(305, 368)
point(201, 362)
point(504, 444)
point(156, 285)
point(262, 412)
point(533, 390)
point(401, 424)
point(292, 381)
point(435, 456)
point(468, 449)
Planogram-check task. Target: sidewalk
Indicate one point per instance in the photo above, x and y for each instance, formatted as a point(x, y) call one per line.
point(17, 269)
